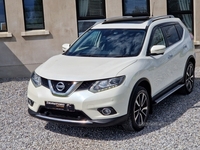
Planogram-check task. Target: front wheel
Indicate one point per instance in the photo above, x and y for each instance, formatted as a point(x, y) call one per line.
point(139, 110)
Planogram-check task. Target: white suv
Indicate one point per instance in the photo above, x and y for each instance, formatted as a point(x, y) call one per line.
point(114, 73)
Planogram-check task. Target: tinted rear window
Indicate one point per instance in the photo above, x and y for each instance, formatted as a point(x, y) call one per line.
point(171, 34)
point(179, 29)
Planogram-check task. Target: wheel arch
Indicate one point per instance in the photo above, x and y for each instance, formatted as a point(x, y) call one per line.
point(144, 82)
point(190, 59)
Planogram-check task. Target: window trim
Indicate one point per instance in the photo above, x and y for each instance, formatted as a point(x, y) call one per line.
point(136, 14)
point(180, 36)
point(166, 38)
point(148, 53)
point(5, 18)
point(35, 33)
point(160, 26)
point(28, 29)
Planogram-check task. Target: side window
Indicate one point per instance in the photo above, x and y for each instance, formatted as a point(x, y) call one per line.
point(171, 34)
point(157, 38)
point(33, 14)
point(180, 30)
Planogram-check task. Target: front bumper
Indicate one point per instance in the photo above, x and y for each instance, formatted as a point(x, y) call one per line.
point(84, 101)
point(79, 122)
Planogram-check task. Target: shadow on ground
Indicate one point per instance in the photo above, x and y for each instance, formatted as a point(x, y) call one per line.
point(19, 79)
point(164, 114)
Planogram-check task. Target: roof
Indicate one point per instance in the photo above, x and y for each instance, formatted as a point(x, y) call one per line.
point(129, 22)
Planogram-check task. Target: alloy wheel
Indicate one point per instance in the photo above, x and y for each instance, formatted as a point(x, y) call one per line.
point(189, 77)
point(140, 110)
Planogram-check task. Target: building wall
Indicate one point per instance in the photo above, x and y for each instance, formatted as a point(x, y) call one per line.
point(113, 8)
point(24, 51)
point(158, 7)
point(196, 21)
point(20, 55)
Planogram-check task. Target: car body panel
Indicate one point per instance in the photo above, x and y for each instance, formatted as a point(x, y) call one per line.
point(119, 26)
point(82, 68)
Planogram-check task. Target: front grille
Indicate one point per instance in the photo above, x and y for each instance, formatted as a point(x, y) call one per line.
point(67, 85)
point(45, 82)
point(77, 115)
point(85, 85)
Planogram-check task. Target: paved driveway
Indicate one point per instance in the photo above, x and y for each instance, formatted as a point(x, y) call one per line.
point(174, 124)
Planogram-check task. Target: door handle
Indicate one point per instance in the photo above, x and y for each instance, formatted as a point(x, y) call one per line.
point(185, 46)
point(170, 56)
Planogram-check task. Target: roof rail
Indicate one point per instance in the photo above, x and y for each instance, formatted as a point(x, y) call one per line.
point(159, 18)
point(126, 18)
point(139, 18)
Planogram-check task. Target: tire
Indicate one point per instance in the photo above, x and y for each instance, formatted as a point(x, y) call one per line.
point(139, 110)
point(188, 79)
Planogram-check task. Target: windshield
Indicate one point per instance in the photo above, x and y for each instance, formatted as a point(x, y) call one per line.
point(108, 43)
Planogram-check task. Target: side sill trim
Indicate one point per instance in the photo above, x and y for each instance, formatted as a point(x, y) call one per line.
point(168, 93)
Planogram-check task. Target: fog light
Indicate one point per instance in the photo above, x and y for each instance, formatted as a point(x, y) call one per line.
point(107, 111)
point(30, 102)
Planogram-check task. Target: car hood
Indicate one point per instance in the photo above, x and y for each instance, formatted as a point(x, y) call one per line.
point(72, 68)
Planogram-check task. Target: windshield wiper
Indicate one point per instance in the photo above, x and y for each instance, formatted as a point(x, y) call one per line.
point(92, 55)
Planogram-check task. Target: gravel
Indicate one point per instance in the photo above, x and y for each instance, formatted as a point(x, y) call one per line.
point(174, 124)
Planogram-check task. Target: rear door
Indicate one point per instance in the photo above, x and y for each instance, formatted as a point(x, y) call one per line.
point(173, 36)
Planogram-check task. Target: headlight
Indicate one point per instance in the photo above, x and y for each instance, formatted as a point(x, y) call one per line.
point(106, 84)
point(36, 79)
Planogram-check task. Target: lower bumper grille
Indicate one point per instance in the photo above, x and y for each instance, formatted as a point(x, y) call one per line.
point(77, 115)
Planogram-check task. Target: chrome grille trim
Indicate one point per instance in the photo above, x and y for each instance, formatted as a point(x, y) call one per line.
point(73, 88)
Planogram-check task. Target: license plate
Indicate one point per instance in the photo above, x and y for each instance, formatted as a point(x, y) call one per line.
point(60, 106)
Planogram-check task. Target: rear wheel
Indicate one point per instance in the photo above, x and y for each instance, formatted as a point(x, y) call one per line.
point(139, 110)
point(188, 79)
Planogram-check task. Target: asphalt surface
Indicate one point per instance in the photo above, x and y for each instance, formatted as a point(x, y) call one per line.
point(174, 124)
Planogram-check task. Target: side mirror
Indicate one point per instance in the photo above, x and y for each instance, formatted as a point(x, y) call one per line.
point(65, 47)
point(158, 49)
